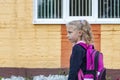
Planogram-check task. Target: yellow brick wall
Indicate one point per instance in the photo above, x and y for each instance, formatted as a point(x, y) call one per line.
point(110, 45)
point(23, 44)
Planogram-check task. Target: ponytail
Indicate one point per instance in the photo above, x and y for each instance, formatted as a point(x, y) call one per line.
point(86, 32)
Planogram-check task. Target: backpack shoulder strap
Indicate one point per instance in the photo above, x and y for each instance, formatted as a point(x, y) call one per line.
point(86, 46)
point(96, 60)
point(83, 45)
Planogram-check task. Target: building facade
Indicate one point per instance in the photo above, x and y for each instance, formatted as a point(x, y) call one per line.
point(24, 44)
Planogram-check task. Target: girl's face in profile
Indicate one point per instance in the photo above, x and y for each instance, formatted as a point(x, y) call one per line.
point(73, 34)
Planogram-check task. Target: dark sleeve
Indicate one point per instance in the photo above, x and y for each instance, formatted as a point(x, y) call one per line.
point(75, 61)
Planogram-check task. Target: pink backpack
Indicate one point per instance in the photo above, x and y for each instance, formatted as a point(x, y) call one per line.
point(95, 67)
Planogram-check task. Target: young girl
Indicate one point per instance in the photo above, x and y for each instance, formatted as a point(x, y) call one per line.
point(78, 31)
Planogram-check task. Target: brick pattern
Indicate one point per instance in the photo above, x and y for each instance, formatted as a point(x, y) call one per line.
point(96, 35)
point(23, 44)
point(110, 40)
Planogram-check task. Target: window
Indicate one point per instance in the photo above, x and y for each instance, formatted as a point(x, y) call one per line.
point(62, 11)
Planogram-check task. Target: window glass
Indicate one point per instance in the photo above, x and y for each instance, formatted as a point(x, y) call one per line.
point(49, 9)
point(108, 8)
point(80, 8)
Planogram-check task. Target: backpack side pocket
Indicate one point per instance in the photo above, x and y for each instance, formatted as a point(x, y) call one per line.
point(102, 75)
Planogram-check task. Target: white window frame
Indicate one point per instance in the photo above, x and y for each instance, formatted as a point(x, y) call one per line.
point(66, 18)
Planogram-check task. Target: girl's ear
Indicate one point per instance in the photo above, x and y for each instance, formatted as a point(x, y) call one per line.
point(80, 32)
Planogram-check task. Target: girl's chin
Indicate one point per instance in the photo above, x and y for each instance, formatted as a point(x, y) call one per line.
point(73, 42)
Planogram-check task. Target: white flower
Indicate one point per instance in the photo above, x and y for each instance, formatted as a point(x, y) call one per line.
point(40, 77)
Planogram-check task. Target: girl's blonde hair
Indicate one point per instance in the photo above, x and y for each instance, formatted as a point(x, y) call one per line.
point(85, 28)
